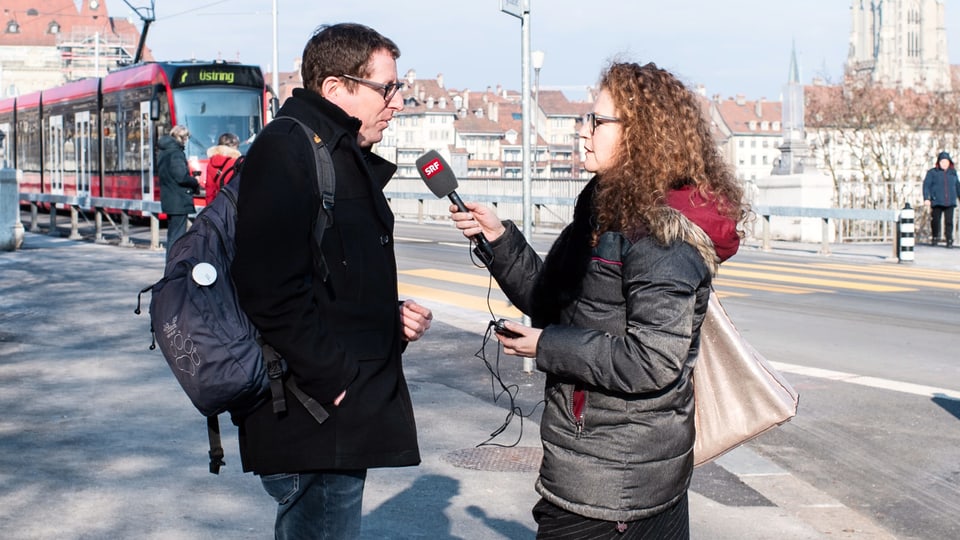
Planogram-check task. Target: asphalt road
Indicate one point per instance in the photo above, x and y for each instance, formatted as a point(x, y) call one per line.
point(887, 448)
point(870, 345)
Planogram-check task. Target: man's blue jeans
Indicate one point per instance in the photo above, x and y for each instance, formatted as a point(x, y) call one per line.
point(317, 506)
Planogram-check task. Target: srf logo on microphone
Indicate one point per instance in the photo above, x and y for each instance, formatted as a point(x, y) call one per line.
point(432, 168)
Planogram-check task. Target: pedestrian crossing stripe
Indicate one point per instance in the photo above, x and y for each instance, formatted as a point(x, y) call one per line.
point(500, 308)
point(798, 277)
point(735, 279)
point(462, 278)
point(926, 277)
point(720, 283)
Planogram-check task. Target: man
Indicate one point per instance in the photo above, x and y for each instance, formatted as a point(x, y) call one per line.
point(940, 190)
point(178, 183)
point(341, 337)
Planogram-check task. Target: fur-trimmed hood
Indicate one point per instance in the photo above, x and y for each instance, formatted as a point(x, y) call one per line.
point(223, 150)
point(705, 213)
point(670, 225)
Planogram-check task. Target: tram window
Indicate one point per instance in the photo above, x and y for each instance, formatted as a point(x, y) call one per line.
point(110, 149)
point(93, 164)
point(208, 112)
point(5, 145)
point(128, 137)
point(28, 143)
point(69, 148)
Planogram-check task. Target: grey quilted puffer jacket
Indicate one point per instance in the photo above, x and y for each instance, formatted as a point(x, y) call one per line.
point(617, 428)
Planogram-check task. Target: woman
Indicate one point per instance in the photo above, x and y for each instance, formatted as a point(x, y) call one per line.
point(220, 167)
point(617, 307)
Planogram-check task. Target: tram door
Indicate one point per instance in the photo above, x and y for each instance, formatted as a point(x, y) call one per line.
point(81, 140)
point(55, 154)
point(146, 151)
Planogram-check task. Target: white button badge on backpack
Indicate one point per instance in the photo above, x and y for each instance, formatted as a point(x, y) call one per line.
point(204, 274)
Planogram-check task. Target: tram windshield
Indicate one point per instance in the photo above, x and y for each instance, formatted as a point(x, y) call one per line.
point(209, 112)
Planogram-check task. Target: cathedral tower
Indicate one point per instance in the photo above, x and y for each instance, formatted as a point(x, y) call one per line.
point(899, 44)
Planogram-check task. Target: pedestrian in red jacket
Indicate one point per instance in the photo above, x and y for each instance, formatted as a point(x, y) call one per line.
point(220, 167)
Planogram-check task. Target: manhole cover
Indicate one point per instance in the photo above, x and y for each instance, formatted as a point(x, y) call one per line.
point(495, 458)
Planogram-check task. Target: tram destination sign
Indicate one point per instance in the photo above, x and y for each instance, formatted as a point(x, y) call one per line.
point(217, 75)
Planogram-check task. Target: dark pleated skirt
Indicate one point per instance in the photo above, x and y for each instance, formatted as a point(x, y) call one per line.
point(554, 523)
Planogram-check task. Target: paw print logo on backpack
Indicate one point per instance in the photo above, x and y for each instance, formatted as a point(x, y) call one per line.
point(187, 357)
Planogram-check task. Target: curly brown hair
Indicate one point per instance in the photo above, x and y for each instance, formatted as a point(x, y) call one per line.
point(666, 144)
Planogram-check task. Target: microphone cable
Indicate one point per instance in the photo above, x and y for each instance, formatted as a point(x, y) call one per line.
point(512, 391)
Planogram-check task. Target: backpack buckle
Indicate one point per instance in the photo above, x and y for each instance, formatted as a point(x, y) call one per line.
point(326, 200)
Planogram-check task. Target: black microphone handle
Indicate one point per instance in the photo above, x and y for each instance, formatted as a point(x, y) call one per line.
point(483, 251)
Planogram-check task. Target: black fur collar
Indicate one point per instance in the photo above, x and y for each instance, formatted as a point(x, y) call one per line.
point(561, 278)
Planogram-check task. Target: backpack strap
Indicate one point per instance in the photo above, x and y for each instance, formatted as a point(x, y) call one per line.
point(219, 176)
point(327, 184)
point(216, 447)
point(275, 373)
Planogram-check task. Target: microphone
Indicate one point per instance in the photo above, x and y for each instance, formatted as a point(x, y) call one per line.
point(440, 179)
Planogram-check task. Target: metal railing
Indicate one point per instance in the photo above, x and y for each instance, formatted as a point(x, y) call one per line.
point(102, 207)
point(549, 212)
point(825, 215)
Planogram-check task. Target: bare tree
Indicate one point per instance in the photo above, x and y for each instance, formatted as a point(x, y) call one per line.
point(876, 143)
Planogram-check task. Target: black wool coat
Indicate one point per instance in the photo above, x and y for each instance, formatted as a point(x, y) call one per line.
point(344, 333)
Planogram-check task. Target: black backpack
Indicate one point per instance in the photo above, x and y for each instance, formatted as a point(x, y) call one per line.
point(210, 344)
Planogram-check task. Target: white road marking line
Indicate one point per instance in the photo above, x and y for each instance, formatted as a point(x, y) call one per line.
point(872, 382)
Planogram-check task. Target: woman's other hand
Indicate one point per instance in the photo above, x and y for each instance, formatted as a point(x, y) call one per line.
point(525, 345)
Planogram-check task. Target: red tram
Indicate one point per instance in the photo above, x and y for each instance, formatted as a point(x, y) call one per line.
point(96, 137)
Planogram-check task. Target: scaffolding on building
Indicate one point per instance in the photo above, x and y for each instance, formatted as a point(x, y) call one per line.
point(90, 52)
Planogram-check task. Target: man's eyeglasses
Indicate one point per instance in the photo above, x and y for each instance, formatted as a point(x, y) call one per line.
point(593, 120)
point(389, 90)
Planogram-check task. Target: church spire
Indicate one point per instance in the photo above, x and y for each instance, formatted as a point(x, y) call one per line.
point(794, 76)
point(794, 151)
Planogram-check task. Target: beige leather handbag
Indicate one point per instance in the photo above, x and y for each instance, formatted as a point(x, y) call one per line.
point(738, 394)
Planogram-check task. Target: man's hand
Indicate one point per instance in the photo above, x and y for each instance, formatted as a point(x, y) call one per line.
point(415, 319)
point(926, 202)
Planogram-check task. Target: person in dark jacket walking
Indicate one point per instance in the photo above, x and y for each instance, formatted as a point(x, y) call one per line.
point(940, 190)
point(177, 183)
point(617, 306)
point(341, 335)
point(220, 166)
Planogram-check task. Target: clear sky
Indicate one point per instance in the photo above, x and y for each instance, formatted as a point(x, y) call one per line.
point(730, 47)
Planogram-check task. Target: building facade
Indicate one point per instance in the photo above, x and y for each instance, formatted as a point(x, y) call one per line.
point(50, 42)
point(749, 134)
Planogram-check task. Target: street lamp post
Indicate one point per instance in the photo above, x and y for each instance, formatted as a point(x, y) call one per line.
point(536, 58)
point(276, 62)
point(521, 10)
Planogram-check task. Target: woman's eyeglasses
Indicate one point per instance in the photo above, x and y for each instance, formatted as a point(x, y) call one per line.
point(389, 90)
point(593, 120)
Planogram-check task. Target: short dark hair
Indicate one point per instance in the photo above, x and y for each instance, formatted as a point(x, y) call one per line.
point(341, 49)
point(228, 139)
